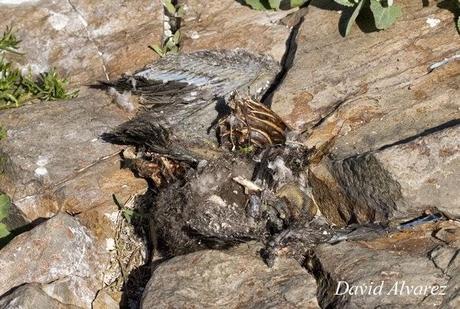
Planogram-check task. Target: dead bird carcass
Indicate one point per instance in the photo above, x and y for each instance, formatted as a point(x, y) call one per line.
point(253, 187)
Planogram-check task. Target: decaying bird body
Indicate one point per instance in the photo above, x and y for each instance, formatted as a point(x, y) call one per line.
point(186, 94)
point(188, 91)
point(251, 124)
point(208, 195)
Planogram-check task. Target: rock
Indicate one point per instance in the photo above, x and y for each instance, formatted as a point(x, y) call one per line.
point(372, 89)
point(54, 159)
point(105, 301)
point(400, 181)
point(399, 260)
point(60, 254)
point(229, 25)
point(15, 219)
point(236, 278)
point(30, 296)
point(447, 258)
point(84, 39)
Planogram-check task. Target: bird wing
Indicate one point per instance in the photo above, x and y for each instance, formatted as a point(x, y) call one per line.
point(199, 77)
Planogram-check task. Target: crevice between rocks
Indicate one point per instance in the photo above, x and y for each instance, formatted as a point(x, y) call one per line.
point(441, 127)
point(326, 285)
point(90, 38)
point(287, 60)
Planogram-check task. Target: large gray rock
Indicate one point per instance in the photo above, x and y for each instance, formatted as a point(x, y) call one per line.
point(370, 94)
point(372, 89)
point(236, 278)
point(401, 181)
point(59, 253)
point(229, 25)
point(395, 262)
point(31, 296)
point(85, 39)
point(447, 258)
point(54, 160)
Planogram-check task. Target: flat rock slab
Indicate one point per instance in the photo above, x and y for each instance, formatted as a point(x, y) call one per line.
point(53, 158)
point(85, 39)
point(398, 262)
point(401, 181)
point(228, 25)
point(371, 89)
point(30, 296)
point(236, 278)
point(60, 253)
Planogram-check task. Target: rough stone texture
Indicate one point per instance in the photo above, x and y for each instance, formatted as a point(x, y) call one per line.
point(373, 88)
point(447, 258)
point(236, 278)
point(105, 301)
point(229, 24)
point(85, 39)
point(395, 258)
point(31, 296)
point(59, 253)
point(427, 170)
point(400, 181)
point(54, 160)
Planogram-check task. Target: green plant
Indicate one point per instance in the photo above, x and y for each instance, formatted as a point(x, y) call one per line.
point(128, 213)
point(247, 150)
point(16, 88)
point(9, 42)
point(170, 45)
point(274, 4)
point(5, 204)
point(384, 12)
point(50, 86)
point(176, 10)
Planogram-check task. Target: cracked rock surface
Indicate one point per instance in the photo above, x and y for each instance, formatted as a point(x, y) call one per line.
point(391, 266)
point(84, 39)
point(236, 278)
point(61, 255)
point(54, 160)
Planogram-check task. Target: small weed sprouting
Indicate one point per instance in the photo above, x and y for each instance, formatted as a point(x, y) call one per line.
point(170, 45)
point(16, 88)
point(9, 42)
point(247, 150)
point(51, 87)
point(172, 42)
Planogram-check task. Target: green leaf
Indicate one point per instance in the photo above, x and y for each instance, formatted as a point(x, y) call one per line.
point(3, 230)
point(353, 16)
point(156, 48)
point(274, 4)
point(256, 4)
point(177, 37)
point(5, 204)
point(345, 2)
point(180, 11)
point(296, 3)
point(169, 7)
point(170, 44)
point(128, 214)
point(384, 16)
